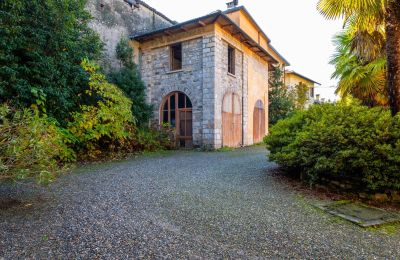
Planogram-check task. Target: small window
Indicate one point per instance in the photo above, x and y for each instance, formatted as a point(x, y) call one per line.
point(231, 60)
point(176, 57)
point(312, 92)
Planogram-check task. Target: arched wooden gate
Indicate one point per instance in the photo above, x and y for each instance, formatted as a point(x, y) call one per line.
point(258, 122)
point(231, 121)
point(177, 110)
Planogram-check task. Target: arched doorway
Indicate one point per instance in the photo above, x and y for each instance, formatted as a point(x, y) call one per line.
point(258, 122)
point(177, 111)
point(231, 121)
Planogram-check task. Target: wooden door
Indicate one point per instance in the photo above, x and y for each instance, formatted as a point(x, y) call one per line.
point(231, 121)
point(258, 122)
point(178, 112)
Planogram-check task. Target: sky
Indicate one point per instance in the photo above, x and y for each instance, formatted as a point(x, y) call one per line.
point(296, 30)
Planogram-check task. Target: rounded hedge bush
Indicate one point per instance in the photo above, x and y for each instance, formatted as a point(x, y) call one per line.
point(340, 142)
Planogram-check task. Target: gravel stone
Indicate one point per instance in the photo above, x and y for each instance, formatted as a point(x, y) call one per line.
point(182, 205)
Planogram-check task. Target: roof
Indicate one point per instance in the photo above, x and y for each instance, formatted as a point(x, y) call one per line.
point(280, 56)
point(211, 18)
point(242, 8)
point(156, 12)
point(301, 76)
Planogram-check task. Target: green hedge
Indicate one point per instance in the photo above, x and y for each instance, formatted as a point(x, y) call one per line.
point(340, 142)
point(31, 146)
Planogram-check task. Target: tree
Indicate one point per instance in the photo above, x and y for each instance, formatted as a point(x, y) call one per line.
point(42, 45)
point(280, 100)
point(128, 79)
point(301, 91)
point(379, 14)
point(361, 77)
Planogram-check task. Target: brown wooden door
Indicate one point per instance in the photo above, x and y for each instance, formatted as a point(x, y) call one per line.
point(178, 112)
point(231, 121)
point(258, 122)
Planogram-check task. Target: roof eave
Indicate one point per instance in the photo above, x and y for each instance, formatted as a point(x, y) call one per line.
point(231, 10)
point(304, 77)
point(212, 18)
point(175, 26)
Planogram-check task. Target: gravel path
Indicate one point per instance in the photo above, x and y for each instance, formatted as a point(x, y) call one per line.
point(181, 205)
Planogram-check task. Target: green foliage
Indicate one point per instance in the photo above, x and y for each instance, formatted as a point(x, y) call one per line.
point(340, 142)
point(30, 146)
point(360, 77)
point(153, 139)
point(128, 79)
point(105, 123)
point(301, 95)
point(281, 103)
point(42, 45)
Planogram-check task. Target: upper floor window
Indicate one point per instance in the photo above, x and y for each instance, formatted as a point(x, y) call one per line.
point(176, 57)
point(231, 60)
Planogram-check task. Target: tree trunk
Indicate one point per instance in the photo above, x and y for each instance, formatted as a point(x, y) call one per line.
point(393, 53)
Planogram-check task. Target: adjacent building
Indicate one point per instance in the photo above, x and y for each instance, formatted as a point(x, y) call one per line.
point(292, 79)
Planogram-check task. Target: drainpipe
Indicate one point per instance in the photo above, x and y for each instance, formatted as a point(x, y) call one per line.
point(154, 21)
point(284, 75)
point(243, 98)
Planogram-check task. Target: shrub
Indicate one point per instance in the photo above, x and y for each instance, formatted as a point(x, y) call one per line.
point(153, 139)
point(105, 124)
point(340, 142)
point(30, 146)
point(128, 79)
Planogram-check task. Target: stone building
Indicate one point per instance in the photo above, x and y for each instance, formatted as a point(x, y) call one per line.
point(116, 19)
point(208, 77)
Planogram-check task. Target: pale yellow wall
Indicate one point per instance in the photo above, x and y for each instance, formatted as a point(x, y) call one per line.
point(135, 46)
point(292, 80)
point(235, 16)
point(244, 22)
point(256, 82)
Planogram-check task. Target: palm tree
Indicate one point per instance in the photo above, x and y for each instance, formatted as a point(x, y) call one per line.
point(364, 15)
point(360, 75)
point(364, 81)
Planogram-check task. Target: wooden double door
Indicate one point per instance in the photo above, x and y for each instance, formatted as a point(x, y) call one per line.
point(177, 111)
point(258, 122)
point(231, 121)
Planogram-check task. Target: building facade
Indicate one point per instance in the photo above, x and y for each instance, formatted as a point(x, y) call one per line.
point(208, 78)
point(293, 79)
point(114, 20)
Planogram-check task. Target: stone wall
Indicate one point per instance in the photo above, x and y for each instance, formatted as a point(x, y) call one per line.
point(195, 80)
point(115, 19)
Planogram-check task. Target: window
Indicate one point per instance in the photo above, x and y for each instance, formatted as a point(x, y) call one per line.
point(312, 92)
point(176, 57)
point(231, 60)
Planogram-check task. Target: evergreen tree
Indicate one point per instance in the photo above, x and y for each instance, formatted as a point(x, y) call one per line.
point(42, 44)
point(128, 79)
point(280, 100)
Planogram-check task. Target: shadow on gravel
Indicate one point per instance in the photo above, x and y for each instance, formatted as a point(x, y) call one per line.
point(6, 204)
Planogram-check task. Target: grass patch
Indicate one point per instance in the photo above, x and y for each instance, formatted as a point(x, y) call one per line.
point(388, 229)
point(225, 149)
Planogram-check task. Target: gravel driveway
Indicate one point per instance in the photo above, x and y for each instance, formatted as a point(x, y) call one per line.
point(180, 205)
